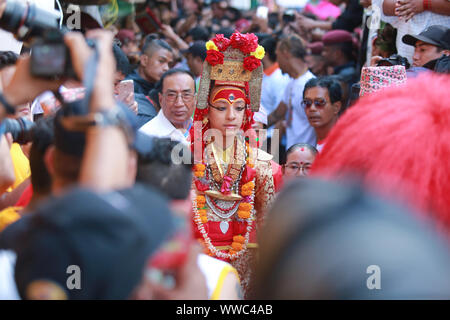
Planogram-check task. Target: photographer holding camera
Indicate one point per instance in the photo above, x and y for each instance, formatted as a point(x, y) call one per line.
point(24, 87)
point(104, 169)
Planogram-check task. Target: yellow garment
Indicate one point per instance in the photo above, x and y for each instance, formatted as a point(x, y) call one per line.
point(9, 216)
point(225, 159)
point(227, 269)
point(21, 165)
point(227, 154)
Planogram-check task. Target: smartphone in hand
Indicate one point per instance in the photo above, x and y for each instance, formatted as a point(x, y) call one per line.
point(124, 89)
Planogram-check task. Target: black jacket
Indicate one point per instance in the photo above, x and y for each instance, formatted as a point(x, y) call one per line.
point(350, 18)
point(146, 109)
point(140, 84)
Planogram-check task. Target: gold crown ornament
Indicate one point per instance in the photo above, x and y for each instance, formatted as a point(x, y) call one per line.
point(235, 61)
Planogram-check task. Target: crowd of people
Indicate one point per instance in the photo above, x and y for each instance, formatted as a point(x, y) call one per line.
point(199, 150)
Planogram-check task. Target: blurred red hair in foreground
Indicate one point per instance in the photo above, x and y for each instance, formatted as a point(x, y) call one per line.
point(398, 142)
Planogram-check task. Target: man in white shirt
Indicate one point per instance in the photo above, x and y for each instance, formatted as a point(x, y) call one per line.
point(8, 289)
point(274, 81)
point(177, 100)
point(290, 114)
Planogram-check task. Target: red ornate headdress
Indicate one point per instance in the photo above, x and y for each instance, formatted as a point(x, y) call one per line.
point(232, 62)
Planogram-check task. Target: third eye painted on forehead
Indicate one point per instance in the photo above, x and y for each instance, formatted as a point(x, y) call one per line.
point(228, 96)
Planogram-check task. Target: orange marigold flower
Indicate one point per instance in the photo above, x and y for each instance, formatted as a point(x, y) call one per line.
point(232, 252)
point(236, 246)
point(202, 213)
point(201, 200)
point(249, 185)
point(243, 214)
point(246, 192)
point(199, 174)
point(239, 239)
point(245, 206)
point(204, 219)
point(199, 167)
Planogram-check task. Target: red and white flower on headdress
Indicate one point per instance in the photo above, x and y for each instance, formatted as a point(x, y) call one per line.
point(246, 43)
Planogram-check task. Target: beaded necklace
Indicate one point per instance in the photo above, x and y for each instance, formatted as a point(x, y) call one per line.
point(244, 207)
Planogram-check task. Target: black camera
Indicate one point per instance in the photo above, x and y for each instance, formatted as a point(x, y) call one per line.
point(394, 60)
point(21, 129)
point(50, 58)
point(289, 16)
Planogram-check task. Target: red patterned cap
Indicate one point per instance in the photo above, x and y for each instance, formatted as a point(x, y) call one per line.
point(374, 79)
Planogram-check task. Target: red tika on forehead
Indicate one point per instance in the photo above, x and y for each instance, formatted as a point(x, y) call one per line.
point(229, 94)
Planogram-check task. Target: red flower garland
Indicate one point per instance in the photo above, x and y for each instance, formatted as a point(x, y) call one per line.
point(247, 43)
point(214, 57)
point(251, 63)
point(221, 42)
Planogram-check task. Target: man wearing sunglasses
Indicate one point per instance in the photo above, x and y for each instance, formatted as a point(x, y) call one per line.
point(177, 100)
point(322, 102)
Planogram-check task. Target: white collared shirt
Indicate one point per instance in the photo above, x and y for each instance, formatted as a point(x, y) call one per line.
point(8, 289)
point(298, 129)
point(161, 127)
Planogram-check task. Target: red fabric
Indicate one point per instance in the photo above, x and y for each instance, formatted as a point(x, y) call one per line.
point(25, 198)
point(277, 176)
point(398, 142)
point(200, 114)
point(218, 238)
point(227, 92)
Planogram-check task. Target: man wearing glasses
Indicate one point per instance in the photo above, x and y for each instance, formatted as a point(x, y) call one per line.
point(322, 102)
point(177, 100)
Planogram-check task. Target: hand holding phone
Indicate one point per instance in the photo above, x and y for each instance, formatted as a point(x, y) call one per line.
point(125, 92)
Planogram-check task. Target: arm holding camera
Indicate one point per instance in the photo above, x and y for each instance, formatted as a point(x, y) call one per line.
point(168, 32)
point(104, 165)
point(309, 24)
point(23, 87)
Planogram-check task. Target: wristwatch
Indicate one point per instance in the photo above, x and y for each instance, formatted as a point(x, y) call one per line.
point(114, 117)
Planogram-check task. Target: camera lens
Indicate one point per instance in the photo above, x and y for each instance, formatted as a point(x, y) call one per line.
point(26, 20)
point(21, 129)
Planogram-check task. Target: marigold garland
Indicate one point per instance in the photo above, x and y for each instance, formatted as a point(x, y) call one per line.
point(201, 201)
point(244, 206)
point(199, 170)
point(199, 167)
point(245, 212)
